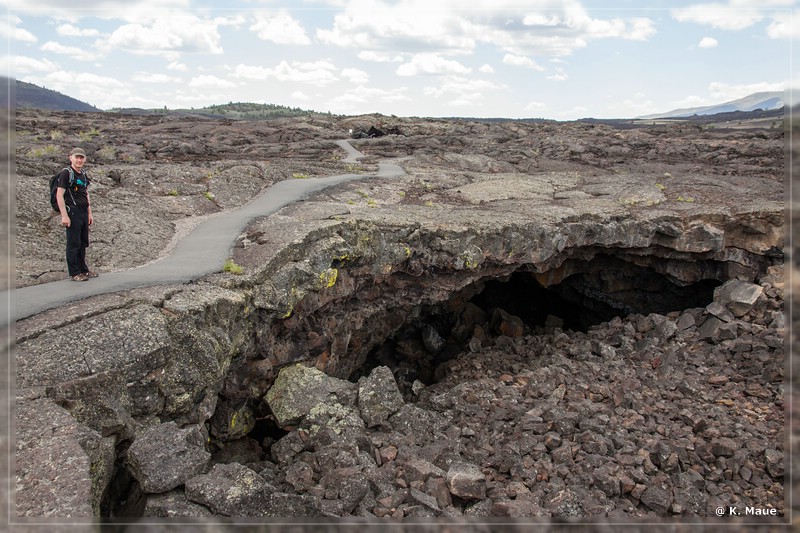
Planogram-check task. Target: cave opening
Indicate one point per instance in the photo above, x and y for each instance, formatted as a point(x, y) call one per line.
point(528, 303)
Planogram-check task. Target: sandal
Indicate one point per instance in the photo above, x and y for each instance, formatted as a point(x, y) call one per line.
point(79, 277)
point(91, 274)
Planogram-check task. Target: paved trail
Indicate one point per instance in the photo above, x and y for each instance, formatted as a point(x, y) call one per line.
point(201, 252)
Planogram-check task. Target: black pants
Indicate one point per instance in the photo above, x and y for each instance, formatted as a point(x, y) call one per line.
point(77, 240)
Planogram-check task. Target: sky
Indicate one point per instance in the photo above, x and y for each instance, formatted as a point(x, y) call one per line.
point(559, 60)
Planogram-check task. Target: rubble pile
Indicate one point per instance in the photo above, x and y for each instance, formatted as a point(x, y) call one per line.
point(671, 415)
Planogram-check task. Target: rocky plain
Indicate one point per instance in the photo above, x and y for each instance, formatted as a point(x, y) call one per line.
point(538, 323)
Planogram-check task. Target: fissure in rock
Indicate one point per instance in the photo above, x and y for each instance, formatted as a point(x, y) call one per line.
point(579, 318)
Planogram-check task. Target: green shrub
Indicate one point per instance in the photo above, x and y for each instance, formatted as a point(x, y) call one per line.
point(86, 136)
point(107, 153)
point(44, 151)
point(232, 268)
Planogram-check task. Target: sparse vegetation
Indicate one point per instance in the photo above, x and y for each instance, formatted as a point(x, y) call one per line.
point(173, 192)
point(86, 136)
point(231, 267)
point(209, 195)
point(300, 176)
point(107, 153)
point(248, 110)
point(47, 150)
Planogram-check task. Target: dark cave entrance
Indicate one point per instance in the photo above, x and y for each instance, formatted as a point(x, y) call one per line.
point(521, 304)
point(589, 298)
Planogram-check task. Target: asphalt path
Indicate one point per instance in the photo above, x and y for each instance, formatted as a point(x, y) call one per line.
point(201, 252)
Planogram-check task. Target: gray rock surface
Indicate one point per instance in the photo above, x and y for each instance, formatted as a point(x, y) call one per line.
point(299, 389)
point(62, 466)
point(378, 396)
point(466, 481)
point(626, 418)
point(230, 490)
point(166, 456)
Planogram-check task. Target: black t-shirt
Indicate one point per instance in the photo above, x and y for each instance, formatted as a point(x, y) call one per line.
point(75, 195)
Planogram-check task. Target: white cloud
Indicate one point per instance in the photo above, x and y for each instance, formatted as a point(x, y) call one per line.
point(101, 91)
point(486, 69)
point(637, 105)
point(168, 37)
point(251, 72)
point(75, 52)
point(211, 81)
point(300, 95)
point(784, 26)
point(405, 26)
point(23, 36)
point(543, 27)
point(365, 99)
point(24, 64)
point(370, 55)
point(718, 16)
point(691, 101)
point(9, 30)
point(707, 42)
point(428, 63)
point(575, 23)
point(76, 8)
point(723, 92)
point(176, 65)
point(560, 75)
point(318, 73)
point(460, 88)
point(150, 77)
point(534, 106)
point(280, 28)
point(68, 30)
point(521, 61)
point(354, 75)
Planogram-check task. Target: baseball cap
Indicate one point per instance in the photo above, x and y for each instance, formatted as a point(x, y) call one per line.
point(78, 151)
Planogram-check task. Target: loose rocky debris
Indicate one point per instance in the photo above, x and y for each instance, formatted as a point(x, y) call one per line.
point(644, 416)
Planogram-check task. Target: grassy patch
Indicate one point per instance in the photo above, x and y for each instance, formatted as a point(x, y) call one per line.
point(107, 153)
point(87, 136)
point(44, 151)
point(231, 267)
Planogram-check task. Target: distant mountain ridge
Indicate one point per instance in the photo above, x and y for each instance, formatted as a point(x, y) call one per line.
point(763, 100)
point(29, 95)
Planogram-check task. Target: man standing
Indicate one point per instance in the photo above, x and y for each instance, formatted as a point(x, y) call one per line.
point(76, 214)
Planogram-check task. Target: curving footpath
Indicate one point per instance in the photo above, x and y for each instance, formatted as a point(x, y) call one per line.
point(202, 252)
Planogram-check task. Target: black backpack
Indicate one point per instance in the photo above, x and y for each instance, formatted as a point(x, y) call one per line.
point(54, 188)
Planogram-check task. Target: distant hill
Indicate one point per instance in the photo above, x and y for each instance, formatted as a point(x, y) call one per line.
point(29, 95)
point(238, 110)
point(763, 100)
